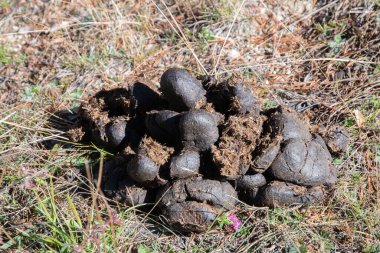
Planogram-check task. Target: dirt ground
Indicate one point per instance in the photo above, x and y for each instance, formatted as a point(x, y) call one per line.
point(320, 57)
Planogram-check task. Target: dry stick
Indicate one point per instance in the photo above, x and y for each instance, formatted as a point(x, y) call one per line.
point(93, 195)
point(100, 174)
point(29, 128)
point(8, 235)
point(98, 183)
point(116, 8)
point(252, 213)
point(7, 117)
point(99, 192)
point(111, 218)
point(41, 130)
point(228, 35)
point(179, 33)
point(52, 137)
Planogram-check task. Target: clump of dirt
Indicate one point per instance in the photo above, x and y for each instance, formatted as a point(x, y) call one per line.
point(104, 118)
point(301, 158)
point(203, 198)
point(200, 146)
point(126, 191)
point(112, 118)
point(158, 153)
point(213, 192)
point(143, 170)
point(119, 187)
point(285, 122)
point(243, 101)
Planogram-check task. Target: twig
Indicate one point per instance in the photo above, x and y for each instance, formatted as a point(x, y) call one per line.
point(8, 235)
point(7, 117)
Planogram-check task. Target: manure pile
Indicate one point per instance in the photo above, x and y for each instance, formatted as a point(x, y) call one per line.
point(195, 147)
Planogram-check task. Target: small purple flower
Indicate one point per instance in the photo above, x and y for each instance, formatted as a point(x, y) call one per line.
point(236, 223)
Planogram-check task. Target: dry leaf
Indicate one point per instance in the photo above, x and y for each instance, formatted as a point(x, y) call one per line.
point(359, 118)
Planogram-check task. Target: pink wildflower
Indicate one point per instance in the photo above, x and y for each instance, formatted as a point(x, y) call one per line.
point(236, 223)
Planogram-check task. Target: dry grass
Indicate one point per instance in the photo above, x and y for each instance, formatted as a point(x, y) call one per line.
point(323, 59)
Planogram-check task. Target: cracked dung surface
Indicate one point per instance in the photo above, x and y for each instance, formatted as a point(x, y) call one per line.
point(303, 162)
point(266, 152)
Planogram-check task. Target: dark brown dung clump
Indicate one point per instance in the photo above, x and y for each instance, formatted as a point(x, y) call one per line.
point(303, 162)
point(186, 164)
point(182, 90)
point(200, 147)
point(279, 193)
point(198, 129)
point(190, 216)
